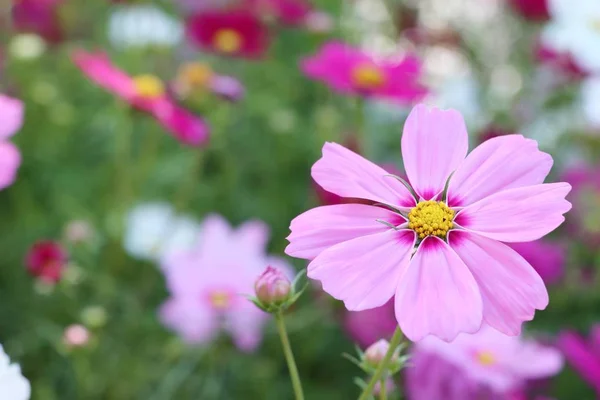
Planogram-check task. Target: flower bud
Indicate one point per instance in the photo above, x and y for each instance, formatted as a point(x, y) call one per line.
point(272, 287)
point(76, 335)
point(46, 260)
point(79, 231)
point(376, 352)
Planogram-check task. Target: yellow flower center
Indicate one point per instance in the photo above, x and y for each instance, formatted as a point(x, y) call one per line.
point(196, 74)
point(431, 218)
point(368, 76)
point(486, 358)
point(220, 300)
point(149, 86)
point(227, 40)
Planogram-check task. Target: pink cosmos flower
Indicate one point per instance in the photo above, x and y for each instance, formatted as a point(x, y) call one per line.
point(146, 93)
point(368, 326)
point(11, 120)
point(548, 258)
point(486, 365)
point(583, 356)
point(237, 33)
point(439, 251)
point(208, 284)
point(536, 10)
point(351, 71)
point(47, 260)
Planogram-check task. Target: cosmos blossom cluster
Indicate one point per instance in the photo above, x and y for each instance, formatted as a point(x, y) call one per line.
point(440, 261)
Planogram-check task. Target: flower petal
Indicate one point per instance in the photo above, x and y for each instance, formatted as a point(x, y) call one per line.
point(438, 294)
point(323, 227)
point(434, 143)
point(500, 163)
point(186, 127)
point(511, 289)
point(518, 215)
point(193, 321)
point(364, 272)
point(10, 160)
point(580, 357)
point(345, 173)
point(11, 114)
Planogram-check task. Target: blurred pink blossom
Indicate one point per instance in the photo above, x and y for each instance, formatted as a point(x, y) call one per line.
point(38, 16)
point(546, 257)
point(76, 335)
point(536, 10)
point(47, 260)
point(582, 355)
point(207, 285)
point(351, 71)
point(146, 93)
point(366, 327)
point(476, 276)
point(485, 365)
point(235, 33)
point(11, 120)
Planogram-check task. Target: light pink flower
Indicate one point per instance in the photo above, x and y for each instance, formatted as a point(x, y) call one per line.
point(583, 355)
point(461, 273)
point(486, 365)
point(208, 284)
point(11, 120)
point(146, 93)
point(76, 335)
point(351, 71)
point(367, 326)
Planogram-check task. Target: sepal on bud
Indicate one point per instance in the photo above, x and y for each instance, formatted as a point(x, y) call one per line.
point(369, 359)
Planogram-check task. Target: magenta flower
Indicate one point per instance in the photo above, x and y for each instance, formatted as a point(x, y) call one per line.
point(547, 258)
point(47, 260)
point(583, 356)
point(440, 253)
point(11, 120)
point(486, 365)
point(236, 33)
point(208, 284)
point(351, 71)
point(536, 10)
point(38, 16)
point(146, 93)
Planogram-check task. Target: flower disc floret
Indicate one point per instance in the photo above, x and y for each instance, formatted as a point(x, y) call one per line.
point(431, 218)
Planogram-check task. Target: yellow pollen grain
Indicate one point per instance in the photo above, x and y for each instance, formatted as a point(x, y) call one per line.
point(486, 358)
point(368, 76)
point(148, 86)
point(220, 300)
point(196, 74)
point(227, 41)
point(431, 218)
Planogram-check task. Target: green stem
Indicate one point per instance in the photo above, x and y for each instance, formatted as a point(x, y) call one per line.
point(289, 357)
point(382, 389)
point(379, 373)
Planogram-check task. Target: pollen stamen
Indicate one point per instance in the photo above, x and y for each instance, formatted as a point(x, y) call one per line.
point(431, 218)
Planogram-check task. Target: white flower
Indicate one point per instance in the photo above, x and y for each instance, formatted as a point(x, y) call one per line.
point(143, 25)
point(27, 46)
point(13, 385)
point(590, 99)
point(575, 29)
point(153, 229)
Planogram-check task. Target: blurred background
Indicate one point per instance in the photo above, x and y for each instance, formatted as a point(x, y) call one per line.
point(103, 173)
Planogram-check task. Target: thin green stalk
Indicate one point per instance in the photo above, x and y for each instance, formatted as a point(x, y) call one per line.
point(379, 373)
point(289, 357)
point(382, 389)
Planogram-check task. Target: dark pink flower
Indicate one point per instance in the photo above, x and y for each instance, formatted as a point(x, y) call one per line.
point(583, 356)
point(236, 33)
point(546, 257)
point(562, 62)
point(46, 260)
point(38, 16)
point(536, 10)
point(146, 93)
point(351, 71)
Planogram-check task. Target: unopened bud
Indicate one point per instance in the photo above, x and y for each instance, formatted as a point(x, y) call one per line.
point(272, 287)
point(376, 352)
